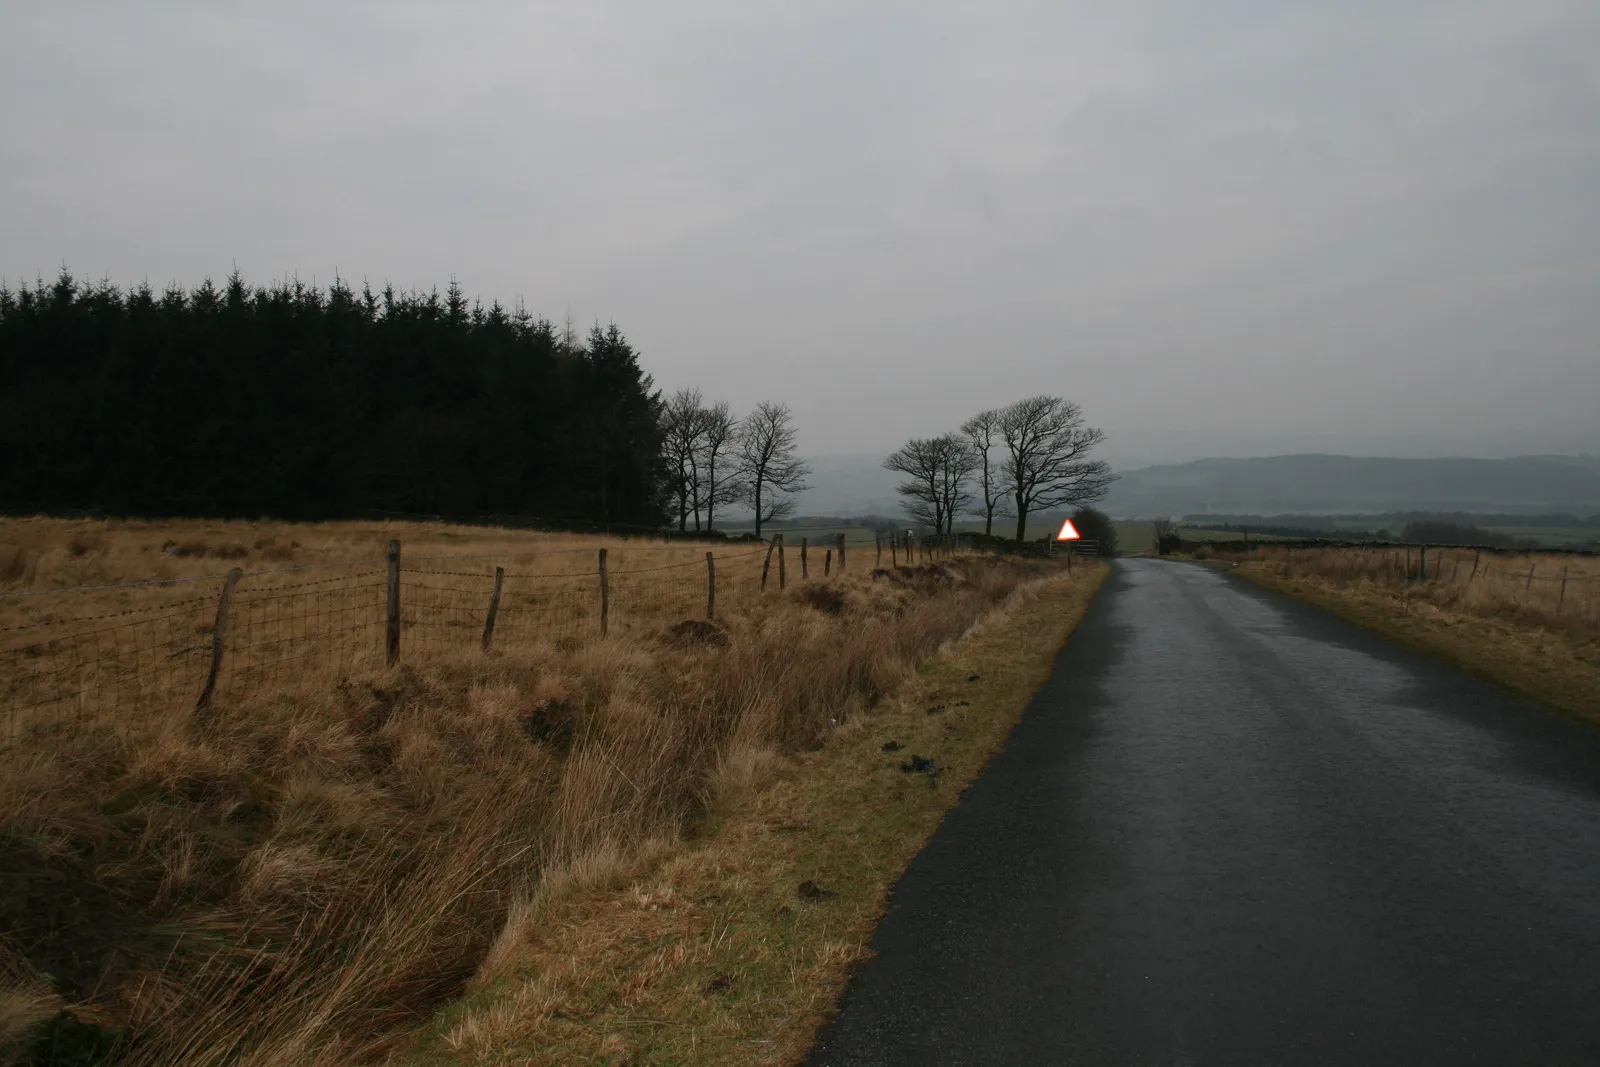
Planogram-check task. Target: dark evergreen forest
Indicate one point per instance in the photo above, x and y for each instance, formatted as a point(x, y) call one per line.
point(293, 402)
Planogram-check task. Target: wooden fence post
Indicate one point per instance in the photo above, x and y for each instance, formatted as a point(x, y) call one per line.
point(841, 553)
point(1529, 584)
point(1422, 564)
point(910, 562)
point(391, 624)
point(805, 570)
point(494, 607)
point(894, 552)
point(605, 595)
point(711, 587)
point(766, 563)
point(782, 574)
point(1563, 597)
point(827, 562)
point(877, 548)
point(1475, 554)
point(216, 638)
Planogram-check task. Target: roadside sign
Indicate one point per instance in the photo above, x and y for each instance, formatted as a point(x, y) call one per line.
point(1068, 532)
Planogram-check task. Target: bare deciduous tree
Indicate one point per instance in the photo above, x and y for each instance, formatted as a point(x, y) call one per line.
point(719, 481)
point(983, 433)
point(1047, 462)
point(683, 423)
point(938, 470)
point(768, 471)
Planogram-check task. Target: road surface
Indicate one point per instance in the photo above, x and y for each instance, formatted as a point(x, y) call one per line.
point(1233, 830)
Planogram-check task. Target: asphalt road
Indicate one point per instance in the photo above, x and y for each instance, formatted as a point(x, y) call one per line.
point(1233, 830)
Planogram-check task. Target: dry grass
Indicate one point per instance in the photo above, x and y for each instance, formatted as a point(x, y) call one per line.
point(302, 876)
point(1502, 616)
point(116, 618)
point(716, 954)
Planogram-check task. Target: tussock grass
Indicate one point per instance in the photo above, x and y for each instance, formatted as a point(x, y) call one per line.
point(304, 875)
point(734, 950)
point(1477, 611)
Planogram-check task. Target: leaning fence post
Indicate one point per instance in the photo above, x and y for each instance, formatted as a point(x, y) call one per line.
point(1529, 583)
point(1562, 598)
point(805, 571)
point(605, 595)
point(894, 558)
point(216, 638)
point(1422, 564)
point(827, 562)
point(391, 623)
point(782, 573)
point(877, 548)
point(494, 607)
point(766, 564)
point(711, 587)
point(841, 553)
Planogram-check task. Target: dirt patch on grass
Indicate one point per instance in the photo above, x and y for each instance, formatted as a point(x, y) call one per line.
point(691, 633)
point(824, 598)
point(66, 926)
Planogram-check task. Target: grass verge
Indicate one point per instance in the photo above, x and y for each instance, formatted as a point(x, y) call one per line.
point(1559, 669)
point(733, 949)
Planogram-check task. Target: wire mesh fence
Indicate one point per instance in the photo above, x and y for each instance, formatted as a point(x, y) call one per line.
point(1562, 587)
point(115, 654)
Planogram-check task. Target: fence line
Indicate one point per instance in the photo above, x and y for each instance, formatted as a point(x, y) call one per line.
point(109, 666)
point(1406, 552)
point(1468, 578)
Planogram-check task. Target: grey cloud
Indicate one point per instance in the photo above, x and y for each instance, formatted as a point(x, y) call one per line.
point(1249, 217)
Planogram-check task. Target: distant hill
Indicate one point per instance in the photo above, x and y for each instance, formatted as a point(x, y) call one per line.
point(1322, 484)
point(850, 485)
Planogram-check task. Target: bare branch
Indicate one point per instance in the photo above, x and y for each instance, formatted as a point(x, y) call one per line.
point(767, 468)
point(983, 433)
point(938, 470)
point(1047, 462)
point(720, 484)
point(683, 419)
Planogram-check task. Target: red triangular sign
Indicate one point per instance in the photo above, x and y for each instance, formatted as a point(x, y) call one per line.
point(1068, 532)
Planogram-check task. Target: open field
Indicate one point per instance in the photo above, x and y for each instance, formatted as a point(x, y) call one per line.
point(1530, 621)
point(103, 615)
point(1138, 537)
point(308, 868)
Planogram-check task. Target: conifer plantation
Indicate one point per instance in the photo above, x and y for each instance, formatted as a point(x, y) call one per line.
point(296, 402)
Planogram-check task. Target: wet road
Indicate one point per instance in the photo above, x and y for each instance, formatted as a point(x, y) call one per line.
point(1233, 830)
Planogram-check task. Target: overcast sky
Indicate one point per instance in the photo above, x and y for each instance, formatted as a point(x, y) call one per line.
point(1224, 228)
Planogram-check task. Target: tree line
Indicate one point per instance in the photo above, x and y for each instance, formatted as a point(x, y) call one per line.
point(295, 402)
point(1028, 457)
point(714, 459)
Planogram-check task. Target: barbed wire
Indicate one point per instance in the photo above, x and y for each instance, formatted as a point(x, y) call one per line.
point(145, 583)
point(107, 615)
